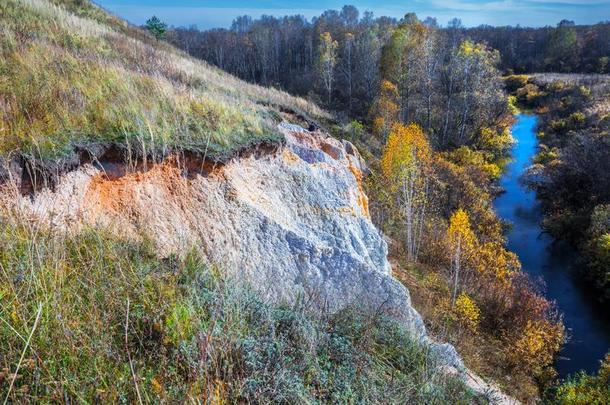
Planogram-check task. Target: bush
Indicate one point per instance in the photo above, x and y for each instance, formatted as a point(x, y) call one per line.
point(515, 82)
point(530, 95)
point(598, 249)
point(604, 122)
point(355, 131)
point(577, 120)
point(467, 310)
point(584, 389)
point(559, 126)
point(557, 86)
point(465, 156)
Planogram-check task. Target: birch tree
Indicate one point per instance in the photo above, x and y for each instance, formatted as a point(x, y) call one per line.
point(348, 67)
point(327, 60)
point(461, 242)
point(405, 162)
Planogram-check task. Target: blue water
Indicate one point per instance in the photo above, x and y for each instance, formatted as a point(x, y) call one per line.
point(587, 321)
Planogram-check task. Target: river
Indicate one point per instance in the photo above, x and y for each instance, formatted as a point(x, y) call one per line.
point(587, 322)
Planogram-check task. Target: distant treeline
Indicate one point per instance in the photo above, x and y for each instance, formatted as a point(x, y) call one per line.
point(566, 48)
point(285, 52)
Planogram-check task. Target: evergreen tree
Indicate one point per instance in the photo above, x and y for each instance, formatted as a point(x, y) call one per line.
point(156, 27)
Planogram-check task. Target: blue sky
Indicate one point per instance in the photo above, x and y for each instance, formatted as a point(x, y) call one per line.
point(220, 13)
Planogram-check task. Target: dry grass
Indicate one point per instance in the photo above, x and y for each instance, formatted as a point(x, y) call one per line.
point(67, 79)
point(570, 78)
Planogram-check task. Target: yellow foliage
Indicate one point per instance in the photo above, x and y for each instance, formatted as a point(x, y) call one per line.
point(379, 125)
point(495, 143)
point(538, 344)
point(467, 310)
point(328, 47)
point(494, 259)
point(469, 48)
point(387, 87)
point(385, 109)
point(460, 232)
point(157, 386)
point(464, 156)
point(406, 147)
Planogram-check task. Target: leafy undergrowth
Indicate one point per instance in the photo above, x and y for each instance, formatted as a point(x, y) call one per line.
point(584, 389)
point(483, 351)
point(92, 318)
point(73, 75)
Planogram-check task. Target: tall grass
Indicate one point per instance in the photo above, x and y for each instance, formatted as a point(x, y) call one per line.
point(70, 74)
point(117, 323)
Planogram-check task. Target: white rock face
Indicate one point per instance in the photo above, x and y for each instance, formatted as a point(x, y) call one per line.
point(293, 223)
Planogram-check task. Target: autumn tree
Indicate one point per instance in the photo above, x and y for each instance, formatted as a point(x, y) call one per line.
point(327, 60)
point(385, 110)
point(461, 240)
point(406, 164)
point(400, 59)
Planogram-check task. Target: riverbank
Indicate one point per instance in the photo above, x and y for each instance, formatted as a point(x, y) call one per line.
point(571, 171)
point(553, 263)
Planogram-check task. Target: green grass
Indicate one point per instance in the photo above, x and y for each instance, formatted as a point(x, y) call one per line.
point(71, 74)
point(582, 388)
point(189, 332)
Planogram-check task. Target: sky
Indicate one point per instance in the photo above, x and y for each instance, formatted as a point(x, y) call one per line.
point(219, 13)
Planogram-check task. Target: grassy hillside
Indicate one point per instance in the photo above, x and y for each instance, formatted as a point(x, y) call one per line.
point(72, 76)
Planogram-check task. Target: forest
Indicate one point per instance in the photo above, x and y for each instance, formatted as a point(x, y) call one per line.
point(285, 52)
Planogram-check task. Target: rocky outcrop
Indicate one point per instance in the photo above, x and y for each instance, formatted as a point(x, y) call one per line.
point(292, 223)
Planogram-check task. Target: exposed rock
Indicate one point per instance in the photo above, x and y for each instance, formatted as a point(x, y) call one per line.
point(493, 394)
point(294, 223)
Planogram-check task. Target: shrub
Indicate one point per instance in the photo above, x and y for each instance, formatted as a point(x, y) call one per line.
point(557, 85)
point(584, 389)
point(468, 312)
point(355, 131)
point(536, 348)
point(512, 104)
point(604, 122)
point(598, 253)
point(577, 120)
point(515, 82)
point(584, 92)
point(530, 95)
point(559, 126)
point(465, 156)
